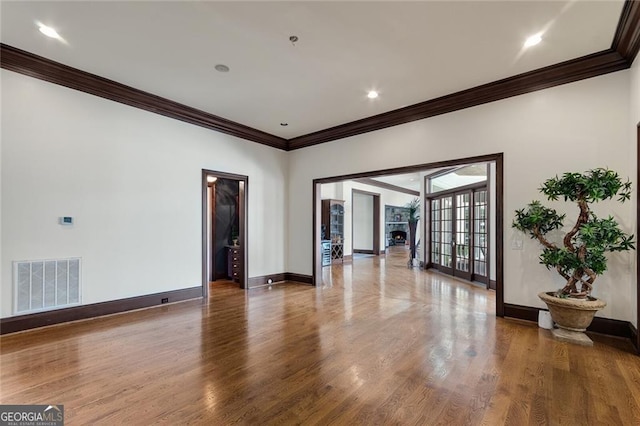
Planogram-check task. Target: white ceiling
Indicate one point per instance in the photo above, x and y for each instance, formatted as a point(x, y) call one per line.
point(408, 51)
point(461, 176)
point(406, 180)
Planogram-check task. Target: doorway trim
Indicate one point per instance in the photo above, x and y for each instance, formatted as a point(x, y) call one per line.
point(243, 197)
point(497, 158)
point(636, 341)
point(376, 220)
point(472, 189)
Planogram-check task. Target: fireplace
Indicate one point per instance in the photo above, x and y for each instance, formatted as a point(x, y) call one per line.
point(397, 237)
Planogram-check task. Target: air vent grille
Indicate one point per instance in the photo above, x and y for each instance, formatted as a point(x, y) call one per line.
point(41, 285)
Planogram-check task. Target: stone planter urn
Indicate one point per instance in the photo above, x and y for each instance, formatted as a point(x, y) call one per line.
point(572, 316)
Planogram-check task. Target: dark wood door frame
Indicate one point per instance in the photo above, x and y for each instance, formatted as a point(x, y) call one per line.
point(637, 330)
point(243, 197)
point(429, 219)
point(212, 235)
point(453, 270)
point(376, 219)
point(498, 159)
point(486, 186)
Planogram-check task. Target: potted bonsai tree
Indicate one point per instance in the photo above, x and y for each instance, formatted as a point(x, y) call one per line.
point(579, 257)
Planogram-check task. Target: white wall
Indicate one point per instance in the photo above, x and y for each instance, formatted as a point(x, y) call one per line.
point(574, 127)
point(329, 190)
point(362, 221)
point(634, 94)
point(132, 180)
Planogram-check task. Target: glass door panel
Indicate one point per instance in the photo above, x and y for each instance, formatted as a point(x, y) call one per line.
point(446, 223)
point(442, 232)
point(435, 231)
point(462, 235)
point(458, 234)
point(480, 235)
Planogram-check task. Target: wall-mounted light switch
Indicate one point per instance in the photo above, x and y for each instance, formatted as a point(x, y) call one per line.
point(66, 220)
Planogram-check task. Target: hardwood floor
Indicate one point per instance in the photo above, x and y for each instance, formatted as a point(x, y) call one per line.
point(376, 344)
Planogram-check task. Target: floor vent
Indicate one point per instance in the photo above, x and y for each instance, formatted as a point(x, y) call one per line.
point(41, 285)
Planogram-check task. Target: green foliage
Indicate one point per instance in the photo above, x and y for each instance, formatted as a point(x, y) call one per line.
point(413, 208)
point(554, 257)
point(592, 186)
point(604, 235)
point(537, 217)
point(582, 255)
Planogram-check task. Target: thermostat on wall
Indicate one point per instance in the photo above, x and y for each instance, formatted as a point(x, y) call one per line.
point(66, 220)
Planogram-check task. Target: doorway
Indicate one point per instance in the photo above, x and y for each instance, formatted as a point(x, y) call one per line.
point(365, 226)
point(459, 240)
point(496, 236)
point(224, 228)
point(637, 332)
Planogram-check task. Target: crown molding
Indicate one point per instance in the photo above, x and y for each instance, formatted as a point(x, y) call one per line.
point(626, 40)
point(20, 61)
point(623, 51)
point(565, 72)
point(624, 48)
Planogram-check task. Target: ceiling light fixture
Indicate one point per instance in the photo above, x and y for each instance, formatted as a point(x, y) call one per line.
point(284, 124)
point(222, 68)
point(48, 31)
point(372, 94)
point(533, 40)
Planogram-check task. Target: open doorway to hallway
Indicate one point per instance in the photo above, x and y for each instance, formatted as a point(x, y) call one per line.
point(224, 229)
point(365, 223)
point(467, 237)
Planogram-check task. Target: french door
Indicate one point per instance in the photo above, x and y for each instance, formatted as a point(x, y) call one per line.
point(459, 239)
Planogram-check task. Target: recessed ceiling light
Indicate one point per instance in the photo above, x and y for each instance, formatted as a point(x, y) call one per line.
point(48, 31)
point(222, 68)
point(372, 94)
point(284, 124)
point(533, 40)
point(211, 179)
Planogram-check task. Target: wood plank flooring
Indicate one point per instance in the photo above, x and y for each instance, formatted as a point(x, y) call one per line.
point(377, 343)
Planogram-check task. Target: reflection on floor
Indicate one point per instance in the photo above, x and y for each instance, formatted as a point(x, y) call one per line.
point(362, 255)
point(375, 343)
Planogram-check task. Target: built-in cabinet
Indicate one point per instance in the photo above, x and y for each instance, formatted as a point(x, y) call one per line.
point(233, 263)
point(333, 226)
